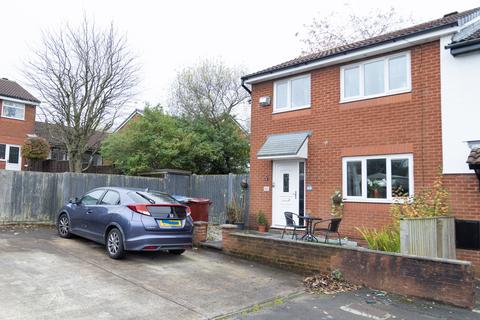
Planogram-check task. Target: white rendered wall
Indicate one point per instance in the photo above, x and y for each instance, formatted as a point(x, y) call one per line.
point(460, 96)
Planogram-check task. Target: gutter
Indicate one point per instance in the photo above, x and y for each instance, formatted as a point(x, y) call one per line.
point(463, 47)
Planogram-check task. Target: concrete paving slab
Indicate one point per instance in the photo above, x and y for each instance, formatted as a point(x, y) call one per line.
point(46, 277)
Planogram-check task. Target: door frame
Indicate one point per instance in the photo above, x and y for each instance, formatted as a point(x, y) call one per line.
point(7, 155)
point(298, 161)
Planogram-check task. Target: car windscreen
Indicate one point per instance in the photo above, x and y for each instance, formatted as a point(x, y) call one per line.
point(151, 197)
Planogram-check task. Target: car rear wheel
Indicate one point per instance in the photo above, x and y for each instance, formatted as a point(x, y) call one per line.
point(63, 226)
point(114, 244)
point(177, 251)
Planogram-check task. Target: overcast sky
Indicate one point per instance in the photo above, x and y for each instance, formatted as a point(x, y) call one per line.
point(168, 35)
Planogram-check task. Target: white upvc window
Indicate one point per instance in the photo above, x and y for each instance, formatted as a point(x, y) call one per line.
point(13, 110)
point(376, 77)
point(377, 178)
point(291, 94)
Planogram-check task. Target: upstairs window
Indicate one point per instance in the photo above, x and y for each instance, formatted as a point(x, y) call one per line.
point(292, 94)
point(374, 78)
point(13, 110)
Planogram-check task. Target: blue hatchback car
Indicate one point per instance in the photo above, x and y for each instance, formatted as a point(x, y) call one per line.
point(128, 220)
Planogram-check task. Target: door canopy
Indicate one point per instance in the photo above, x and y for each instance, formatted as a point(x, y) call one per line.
point(285, 146)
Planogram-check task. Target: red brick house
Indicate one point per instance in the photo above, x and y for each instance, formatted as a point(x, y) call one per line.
point(372, 119)
point(17, 120)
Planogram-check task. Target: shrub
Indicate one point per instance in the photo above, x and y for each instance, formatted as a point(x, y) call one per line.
point(386, 239)
point(428, 203)
point(234, 212)
point(261, 219)
point(36, 148)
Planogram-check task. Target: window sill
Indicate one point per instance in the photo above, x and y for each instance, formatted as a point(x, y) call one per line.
point(290, 110)
point(381, 201)
point(11, 118)
point(343, 101)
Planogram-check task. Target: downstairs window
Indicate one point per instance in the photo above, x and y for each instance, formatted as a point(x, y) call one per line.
point(378, 178)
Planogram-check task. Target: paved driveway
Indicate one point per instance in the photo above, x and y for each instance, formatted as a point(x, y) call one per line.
point(46, 277)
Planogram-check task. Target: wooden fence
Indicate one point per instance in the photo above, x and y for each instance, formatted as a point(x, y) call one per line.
point(36, 196)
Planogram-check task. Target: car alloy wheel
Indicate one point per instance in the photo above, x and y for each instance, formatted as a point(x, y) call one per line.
point(113, 243)
point(64, 226)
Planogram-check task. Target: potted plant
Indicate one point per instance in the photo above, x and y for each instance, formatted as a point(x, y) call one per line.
point(337, 204)
point(374, 187)
point(261, 221)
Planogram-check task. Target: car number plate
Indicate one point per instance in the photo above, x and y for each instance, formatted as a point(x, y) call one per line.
point(170, 223)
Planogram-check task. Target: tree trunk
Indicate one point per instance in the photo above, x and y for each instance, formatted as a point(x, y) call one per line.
point(75, 163)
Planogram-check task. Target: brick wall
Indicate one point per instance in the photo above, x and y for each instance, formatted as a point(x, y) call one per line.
point(200, 232)
point(15, 131)
point(447, 281)
point(465, 204)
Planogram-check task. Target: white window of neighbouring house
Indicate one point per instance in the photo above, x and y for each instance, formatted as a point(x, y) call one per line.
point(13, 110)
point(292, 94)
point(378, 178)
point(375, 78)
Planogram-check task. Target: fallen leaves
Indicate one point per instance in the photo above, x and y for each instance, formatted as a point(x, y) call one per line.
point(328, 284)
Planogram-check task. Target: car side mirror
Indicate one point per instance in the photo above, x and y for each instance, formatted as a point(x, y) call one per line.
point(74, 200)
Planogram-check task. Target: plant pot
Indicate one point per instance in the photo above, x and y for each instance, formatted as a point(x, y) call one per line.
point(262, 228)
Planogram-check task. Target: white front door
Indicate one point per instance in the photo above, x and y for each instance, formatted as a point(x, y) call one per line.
point(286, 191)
point(13, 157)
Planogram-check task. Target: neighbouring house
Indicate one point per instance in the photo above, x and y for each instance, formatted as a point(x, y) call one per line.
point(58, 150)
point(17, 121)
point(374, 119)
point(135, 115)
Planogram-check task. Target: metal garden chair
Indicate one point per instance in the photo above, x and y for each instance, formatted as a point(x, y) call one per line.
point(290, 223)
point(333, 226)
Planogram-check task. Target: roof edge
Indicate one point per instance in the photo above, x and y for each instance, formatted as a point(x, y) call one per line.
point(346, 52)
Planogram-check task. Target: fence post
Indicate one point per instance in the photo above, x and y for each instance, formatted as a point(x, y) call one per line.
point(230, 188)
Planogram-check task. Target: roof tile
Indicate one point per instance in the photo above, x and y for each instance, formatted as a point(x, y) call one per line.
point(450, 19)
point(11, 89)
point(474, 157)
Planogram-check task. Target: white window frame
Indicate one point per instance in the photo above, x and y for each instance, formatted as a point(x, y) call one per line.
point(289, 94)
point(15, 105)
point(361, 70)
point(363, 160)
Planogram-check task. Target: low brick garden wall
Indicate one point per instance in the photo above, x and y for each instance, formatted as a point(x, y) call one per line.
point(448, 281)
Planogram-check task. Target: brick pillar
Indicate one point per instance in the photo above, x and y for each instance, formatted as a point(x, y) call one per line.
point(200, 232)
point(226, 239)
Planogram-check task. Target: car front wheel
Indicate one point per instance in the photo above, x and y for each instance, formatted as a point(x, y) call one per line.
point(63, 226)
point(114, 244)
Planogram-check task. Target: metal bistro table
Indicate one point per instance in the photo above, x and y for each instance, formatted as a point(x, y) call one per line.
point(309, 232)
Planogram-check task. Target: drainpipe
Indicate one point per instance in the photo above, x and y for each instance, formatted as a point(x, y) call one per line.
point(245, 87)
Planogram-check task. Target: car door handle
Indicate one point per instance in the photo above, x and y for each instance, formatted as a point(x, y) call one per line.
point(89, 211)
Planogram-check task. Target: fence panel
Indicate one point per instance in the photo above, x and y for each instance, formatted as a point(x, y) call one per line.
point(29, 196)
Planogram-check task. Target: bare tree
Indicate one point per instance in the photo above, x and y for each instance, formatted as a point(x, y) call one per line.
point(84, 75)
point(210, 90)
point(334, 29)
